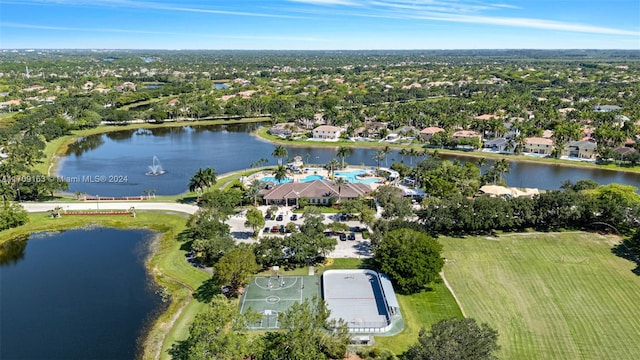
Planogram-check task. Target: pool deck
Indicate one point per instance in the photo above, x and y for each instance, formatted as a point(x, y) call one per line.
point(318, 171)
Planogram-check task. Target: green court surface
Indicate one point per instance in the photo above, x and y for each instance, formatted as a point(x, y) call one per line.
point(271, 295)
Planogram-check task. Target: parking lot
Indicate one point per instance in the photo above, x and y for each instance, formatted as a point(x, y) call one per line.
point(356, 248)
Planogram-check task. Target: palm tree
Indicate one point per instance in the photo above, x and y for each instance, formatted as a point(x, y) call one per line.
point(280, 173)
point(340, 181)
point(379, 156)
point(307, 156)
point(386, 150)
point(331, 166)
point(196, 182)
point(412, 153)
point(403, 153)
point(502, 167)
point(343, 152)
point(210, 177)
point(253, 190)
point(202, 179)
point(280, 152)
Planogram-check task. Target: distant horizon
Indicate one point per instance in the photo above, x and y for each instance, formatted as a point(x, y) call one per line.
point(320, 24)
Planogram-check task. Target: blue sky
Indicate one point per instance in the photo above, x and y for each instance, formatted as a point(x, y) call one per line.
point(320, 24)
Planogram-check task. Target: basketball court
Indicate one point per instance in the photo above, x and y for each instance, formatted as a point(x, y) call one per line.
point(268, 296)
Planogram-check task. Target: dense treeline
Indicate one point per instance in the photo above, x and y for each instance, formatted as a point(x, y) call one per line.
point(603, 208)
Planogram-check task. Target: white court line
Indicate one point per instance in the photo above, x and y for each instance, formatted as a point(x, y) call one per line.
point(275, 288)
point(265, 300)
point(244, 299)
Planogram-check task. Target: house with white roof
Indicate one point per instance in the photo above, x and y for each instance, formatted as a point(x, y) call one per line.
point(327, 132)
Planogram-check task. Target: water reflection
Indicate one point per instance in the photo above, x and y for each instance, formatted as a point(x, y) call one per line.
point(84, 144)
point(11, 252)
point(231, 147)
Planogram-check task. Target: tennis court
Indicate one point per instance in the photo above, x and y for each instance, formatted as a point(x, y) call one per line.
point(268, 296)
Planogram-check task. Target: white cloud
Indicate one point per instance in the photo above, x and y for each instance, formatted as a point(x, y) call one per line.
point(84, 29)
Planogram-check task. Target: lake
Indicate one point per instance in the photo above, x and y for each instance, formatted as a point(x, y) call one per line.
point(116, 162)
point(77, 294)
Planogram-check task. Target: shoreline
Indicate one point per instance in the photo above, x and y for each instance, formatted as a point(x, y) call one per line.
point(262, 135)
point(56, 150)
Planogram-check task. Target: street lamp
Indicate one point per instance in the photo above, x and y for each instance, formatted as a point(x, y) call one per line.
point(98, 202)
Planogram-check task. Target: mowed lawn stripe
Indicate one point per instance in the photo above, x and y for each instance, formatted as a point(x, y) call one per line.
point(550, 296)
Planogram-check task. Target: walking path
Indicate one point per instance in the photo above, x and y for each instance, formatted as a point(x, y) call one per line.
point(110, 205)
point(446, 283)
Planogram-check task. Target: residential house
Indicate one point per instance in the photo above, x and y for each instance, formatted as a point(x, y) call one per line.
point(624, 151)
point(486, 117)
point(547, 134)
point(500, 145)
point(319, 192)
point(173, 102)
point(582, 149)
point(427, 133)
point(318, 119)
point(287, 129)
point(538, 145)
point(327, 132)
point(606, 108)
point(371, 129)
point(465, 134)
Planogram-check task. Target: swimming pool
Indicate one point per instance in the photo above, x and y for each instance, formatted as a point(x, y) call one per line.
point(273, 180)
point(352, 177)
point(310, 178)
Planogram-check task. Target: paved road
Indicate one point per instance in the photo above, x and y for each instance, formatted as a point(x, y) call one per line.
point(109, 205)
point(359, 248)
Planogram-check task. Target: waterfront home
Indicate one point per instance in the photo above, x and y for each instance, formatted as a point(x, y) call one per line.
point(327, 132)
point(371, 129)
point(318, 119)
point(287, 129)
point(428, 132)
point(465, 134)
point(319, 192)
point(624, 151)
point(538, 145)
point(582, 149)
point(498, 145)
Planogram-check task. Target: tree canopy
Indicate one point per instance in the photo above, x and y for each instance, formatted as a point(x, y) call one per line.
point(455, 339)
point(411, 258)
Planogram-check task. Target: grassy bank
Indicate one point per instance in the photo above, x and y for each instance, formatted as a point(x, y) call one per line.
point(420, 311)
point(166, 264)
point(262, 133)
point(549, 295)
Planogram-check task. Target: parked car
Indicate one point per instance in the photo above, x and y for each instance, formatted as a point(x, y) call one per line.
point(343, 237)
point(352, 236)
point(294, 217)
point(281, 229)
point(274, 229)
point(266, 229)
point(279, 217)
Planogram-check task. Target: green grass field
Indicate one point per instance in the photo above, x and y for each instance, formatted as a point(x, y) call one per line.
point(420, 311)
point(549, 295)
